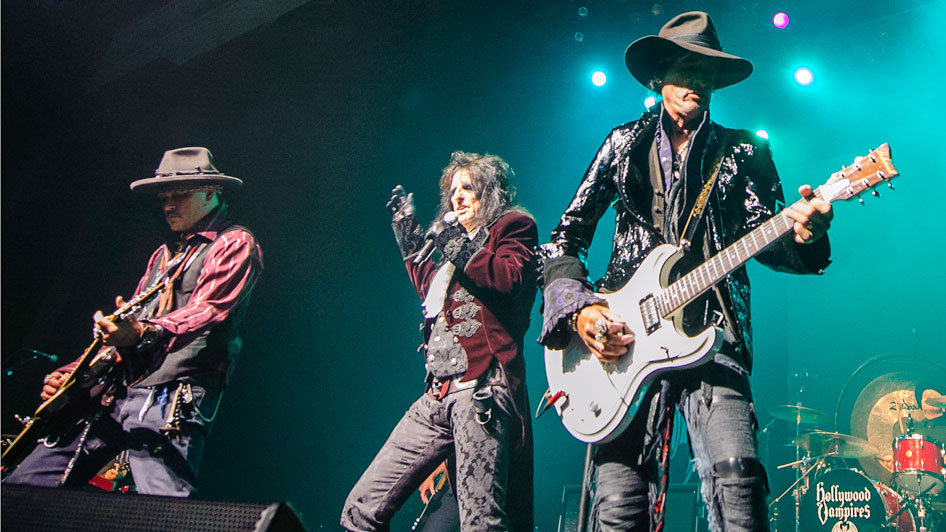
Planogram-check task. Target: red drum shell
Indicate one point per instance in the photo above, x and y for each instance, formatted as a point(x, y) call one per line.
point(918, 464)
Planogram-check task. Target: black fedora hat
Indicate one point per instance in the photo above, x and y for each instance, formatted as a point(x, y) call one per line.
point(185, 166)
point(687, 32)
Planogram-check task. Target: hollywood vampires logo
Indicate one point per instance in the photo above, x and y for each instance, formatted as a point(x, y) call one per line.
point(835, 503)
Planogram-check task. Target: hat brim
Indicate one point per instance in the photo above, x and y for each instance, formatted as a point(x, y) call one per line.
point(153, 184)
point(645, 55)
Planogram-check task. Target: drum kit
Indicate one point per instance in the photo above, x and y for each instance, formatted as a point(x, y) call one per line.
point(883, 472)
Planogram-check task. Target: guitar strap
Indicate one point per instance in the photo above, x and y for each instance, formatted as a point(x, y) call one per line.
point(700, 205)
point(166, 301)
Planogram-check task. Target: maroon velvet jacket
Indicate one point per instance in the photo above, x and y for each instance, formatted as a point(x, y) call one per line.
point(502, 279)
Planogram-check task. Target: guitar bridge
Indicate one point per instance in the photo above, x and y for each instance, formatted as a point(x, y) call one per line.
point(649, 314)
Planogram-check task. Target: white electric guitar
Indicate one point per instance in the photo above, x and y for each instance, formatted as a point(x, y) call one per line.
point(596, 400)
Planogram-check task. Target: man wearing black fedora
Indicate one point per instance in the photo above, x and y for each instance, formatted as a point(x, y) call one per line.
point(652, 172)
point(176, 353)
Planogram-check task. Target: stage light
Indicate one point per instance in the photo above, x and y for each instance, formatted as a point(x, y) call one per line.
point(598, 78)
point(761, 133)
point(650, 101)
point(804, 76)
point(780, 20)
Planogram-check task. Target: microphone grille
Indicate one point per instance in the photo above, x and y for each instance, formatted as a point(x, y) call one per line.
point(450, 218)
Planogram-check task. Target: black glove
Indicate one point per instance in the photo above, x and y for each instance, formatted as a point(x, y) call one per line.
point(400, 205)
point(407, 232)
point(455, 245)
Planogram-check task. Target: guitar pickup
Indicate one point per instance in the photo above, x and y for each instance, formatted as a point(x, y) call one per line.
point(649, 313)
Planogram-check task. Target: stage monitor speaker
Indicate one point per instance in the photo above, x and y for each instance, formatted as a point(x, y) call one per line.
point(683, 509)
point(29, 509)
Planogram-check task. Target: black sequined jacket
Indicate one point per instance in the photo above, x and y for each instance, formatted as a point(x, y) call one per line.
point(747, 192)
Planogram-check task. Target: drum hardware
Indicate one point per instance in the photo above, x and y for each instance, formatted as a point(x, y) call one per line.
point(917, 504)
point(799, 414)
point(806, 466)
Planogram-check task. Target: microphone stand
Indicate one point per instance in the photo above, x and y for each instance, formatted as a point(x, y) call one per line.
point(34, 355)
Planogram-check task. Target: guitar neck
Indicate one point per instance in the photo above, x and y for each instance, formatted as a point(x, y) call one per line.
point(703, 277)
point(88, 356)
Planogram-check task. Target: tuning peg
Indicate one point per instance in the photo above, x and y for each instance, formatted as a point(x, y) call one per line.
point(875, 193)
point(861, 200)
point(889, 184)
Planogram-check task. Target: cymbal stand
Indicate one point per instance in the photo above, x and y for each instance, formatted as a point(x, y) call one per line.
point(796, 489)
point(799, 491)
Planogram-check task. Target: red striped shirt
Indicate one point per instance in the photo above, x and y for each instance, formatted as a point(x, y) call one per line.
point(231, 268)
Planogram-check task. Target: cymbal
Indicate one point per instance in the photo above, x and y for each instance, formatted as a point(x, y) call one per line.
point(820, 442)
point(799, 414)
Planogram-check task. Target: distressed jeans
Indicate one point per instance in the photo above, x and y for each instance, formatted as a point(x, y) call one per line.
point(717, 405)
point(429, 433)
point(158, 465)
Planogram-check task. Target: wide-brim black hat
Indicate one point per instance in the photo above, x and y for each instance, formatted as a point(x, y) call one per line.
point(688, 32)
point(185, 166)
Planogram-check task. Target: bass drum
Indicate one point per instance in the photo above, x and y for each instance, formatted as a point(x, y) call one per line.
point(845, 500)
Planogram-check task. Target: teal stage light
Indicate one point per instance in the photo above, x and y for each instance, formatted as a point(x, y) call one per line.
point(598, 78)
point(650, 101)
point(762, 134)
point(804, 76)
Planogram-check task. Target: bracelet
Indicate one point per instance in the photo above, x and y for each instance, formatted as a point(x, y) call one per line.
point(149, 336)
point(573, 320)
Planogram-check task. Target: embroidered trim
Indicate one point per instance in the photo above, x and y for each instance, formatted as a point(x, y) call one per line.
point(462, 294)
point(563, 297)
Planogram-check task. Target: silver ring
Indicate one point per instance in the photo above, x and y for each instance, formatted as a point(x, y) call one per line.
point(601, 330)
point(47, 378)
point(601, 326)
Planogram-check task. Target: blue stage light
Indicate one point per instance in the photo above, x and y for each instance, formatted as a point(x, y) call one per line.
point(650, 101)
point(804, 76)
point(598, 78)
point(762, 134)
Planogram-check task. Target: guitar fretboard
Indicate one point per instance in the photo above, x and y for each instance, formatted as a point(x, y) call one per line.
point(703, 277)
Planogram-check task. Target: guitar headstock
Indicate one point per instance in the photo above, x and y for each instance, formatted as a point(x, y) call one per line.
point(864, 174)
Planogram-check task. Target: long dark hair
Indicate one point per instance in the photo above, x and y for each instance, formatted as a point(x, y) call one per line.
point(492, 182)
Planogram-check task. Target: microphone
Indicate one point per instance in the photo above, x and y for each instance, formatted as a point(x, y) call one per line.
point(425, 252)
point(44, 355)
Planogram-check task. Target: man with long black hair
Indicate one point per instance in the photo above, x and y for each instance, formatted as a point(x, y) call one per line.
point(474, 411)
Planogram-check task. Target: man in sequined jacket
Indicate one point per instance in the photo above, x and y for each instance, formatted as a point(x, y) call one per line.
point(651, 171)
point(477, 302)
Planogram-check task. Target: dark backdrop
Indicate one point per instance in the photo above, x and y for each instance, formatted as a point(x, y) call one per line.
point(322, 107)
